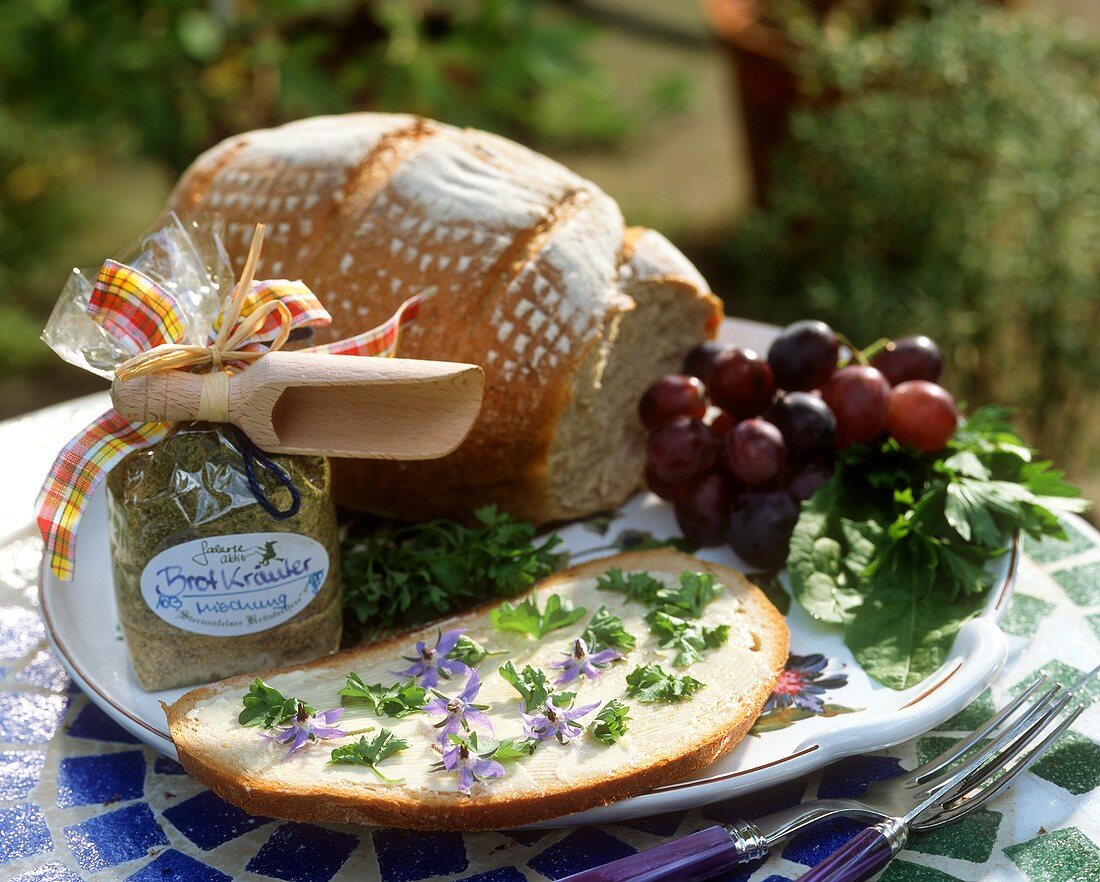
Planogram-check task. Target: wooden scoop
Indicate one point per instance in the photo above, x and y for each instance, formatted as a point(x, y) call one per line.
point(330, 405)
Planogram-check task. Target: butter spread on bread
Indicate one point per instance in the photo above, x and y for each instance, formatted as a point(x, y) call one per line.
point(664, 741)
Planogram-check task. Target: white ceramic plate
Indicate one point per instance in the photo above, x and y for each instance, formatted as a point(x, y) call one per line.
point(857, 715)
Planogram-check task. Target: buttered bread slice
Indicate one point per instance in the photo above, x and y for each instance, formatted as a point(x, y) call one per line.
point(608, 679)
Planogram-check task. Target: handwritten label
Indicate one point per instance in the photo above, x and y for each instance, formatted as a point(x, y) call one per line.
point(225, 586)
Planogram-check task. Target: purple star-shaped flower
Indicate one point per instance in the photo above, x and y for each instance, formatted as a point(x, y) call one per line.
point(551, 721)
point(459, 712)
point(580, 661)
point(308, 728)
point(470, 766)
point(431, 662)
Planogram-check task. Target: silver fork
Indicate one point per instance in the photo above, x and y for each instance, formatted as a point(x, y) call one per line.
point(959, 780)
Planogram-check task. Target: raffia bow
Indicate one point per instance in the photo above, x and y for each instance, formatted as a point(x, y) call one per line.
point(147, 320)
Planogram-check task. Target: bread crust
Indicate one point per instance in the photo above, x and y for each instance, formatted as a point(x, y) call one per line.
point(394, 807)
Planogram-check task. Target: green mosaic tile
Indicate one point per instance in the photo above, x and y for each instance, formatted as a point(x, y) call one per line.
point(970, 839)
point(1063, 856)
point(1094, 623)
point(1081, 584)
point(1063, 674)
point(1024, 615)
point(1072, 763)
point(904, 871)
point(971, 716)
point(1048, 550)
point(931, 746)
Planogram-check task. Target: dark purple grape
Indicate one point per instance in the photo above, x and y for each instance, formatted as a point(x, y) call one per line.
point(808, 427)
point(804, 356)
point(807, 481)
point(760, 529)
point(682, 451)
point(703, 510)
point(664, 489)
point(741, 383)
point(754, 452)
point(721, 424)
point(702, 358)
point(859, 398)
point(909, 358)
point(671, 396)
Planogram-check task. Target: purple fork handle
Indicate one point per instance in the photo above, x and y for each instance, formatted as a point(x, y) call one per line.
point(688, 859)
point(866, 853)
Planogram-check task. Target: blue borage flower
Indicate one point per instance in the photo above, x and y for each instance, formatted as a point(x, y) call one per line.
point(551, 721)
point(306, 728)
point(580, 661)
point(431, 662)
point(459, 712)
point(462, 756)
point(801, 682)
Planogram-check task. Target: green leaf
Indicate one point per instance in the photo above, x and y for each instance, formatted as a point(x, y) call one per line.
point(266, 707)
point(636, 586)
point(510, 749)
point(687, 638)
point(605, 631)
point(525, 617)
point(397, 700)
point(651, 683)
point(470, 652)
point(820, 582)
point(370, 753)
point(610, 723)
point(533, 685)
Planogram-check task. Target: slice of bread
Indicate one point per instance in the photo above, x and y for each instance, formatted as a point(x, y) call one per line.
point(663, 744)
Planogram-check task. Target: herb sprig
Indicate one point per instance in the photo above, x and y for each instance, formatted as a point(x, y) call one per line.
point(533, 686)
point(371, 753)
point(525, 617)
point(610, 723)
point(894, 547)
point(605, 631)
point(266, 707)
point(397, 700)
point(651, 682)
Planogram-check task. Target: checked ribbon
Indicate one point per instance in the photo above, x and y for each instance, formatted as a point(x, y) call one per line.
point(148, 322)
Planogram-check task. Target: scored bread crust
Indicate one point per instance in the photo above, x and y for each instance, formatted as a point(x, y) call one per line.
point(536, 280)
point(703, 743)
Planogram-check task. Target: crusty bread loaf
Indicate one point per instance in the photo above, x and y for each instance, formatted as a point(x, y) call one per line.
point(570, 314)
point(664, 742)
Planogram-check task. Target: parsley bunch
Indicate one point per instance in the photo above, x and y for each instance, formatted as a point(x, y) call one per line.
point(401, 576)
point(894, 547)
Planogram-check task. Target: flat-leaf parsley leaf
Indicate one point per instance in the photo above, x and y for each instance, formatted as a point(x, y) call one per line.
point(651, 683)
point(371, 753)
point(610, 723)
point(525, 617)
point(267, 707)
point(398, 700)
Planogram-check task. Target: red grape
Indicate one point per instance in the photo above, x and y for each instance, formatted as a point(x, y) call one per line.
point(859, 398)
point(671, 396)
point(807, 424)
point(703, 510)
point(721, 424)
point(922, 414)
point(806, 482)
point(804, 356)
point(682, 451)
point(910, 358)
point(754, 452)
point(760, 530)
point(741, 382)
point(702, 358)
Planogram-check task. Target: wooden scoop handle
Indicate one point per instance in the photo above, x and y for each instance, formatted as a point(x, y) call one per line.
point(169, 395)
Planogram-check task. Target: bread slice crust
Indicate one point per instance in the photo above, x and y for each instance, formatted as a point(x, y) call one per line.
point(486, 810)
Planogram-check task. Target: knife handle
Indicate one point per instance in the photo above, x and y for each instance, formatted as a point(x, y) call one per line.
point(865, 854)
point(687, 859)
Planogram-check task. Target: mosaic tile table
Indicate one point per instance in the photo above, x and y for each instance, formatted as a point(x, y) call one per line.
point(81, 800)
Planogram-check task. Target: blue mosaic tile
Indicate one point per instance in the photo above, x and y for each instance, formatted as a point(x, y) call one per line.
point(851, 777)
point(580, 850)
point(20, 631)
point(92, 723)
point(504, 874)
point(303, 853)
point(23, 832)
point(405, 855)
point(755, 805)
point(210, 821)
point(175, 866)
point(165, 766)
point(820, 841)
point(28, 718)
point(776, 878)
point(739, 873)
point(45, 671)
point(19, 772)
point(107, 778)
point(659, 825)
point(114, 838)
point(51, 872)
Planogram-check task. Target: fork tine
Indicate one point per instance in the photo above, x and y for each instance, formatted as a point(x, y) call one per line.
point(921, 774)
point(981, 792)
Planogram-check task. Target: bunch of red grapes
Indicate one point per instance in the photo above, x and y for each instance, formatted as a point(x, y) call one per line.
point(737, 441)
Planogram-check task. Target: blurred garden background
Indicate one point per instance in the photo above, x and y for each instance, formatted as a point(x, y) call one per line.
point(889, 166)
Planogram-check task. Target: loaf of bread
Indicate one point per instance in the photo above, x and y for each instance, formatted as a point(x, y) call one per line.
point(664, 741)
point(538, 281)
